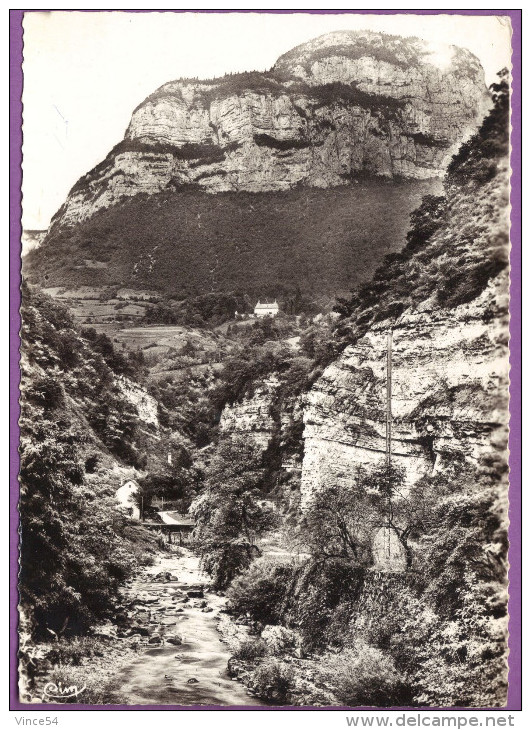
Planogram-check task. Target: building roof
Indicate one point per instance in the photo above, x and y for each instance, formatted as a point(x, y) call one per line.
point(267, 305)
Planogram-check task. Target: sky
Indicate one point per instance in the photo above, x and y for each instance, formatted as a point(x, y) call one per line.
point(84, 73)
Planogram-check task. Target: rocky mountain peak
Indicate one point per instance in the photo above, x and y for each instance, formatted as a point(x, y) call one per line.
point(383, 48)
point(342, 105)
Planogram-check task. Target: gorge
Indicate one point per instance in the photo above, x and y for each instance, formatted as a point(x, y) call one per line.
point(273, 432)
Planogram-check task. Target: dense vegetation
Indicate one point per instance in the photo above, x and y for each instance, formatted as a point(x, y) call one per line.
point(437, 629)
point(250, 352)
point(210, 309)
point(187, 243)
point(430, 634)
point(76, 548)
point(435, 632)
point(457, 243)
point(230, 514)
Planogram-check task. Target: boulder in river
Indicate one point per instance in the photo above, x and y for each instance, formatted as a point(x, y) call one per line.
point(140, 630)
point(105, 632)
point(147, 599)
point(165, 576)
point(195, 593)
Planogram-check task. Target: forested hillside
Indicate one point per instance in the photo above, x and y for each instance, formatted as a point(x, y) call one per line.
point(458, 242)
point(76, 426)
point(185, 243)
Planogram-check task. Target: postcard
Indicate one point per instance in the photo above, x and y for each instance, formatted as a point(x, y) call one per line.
point(266, 365)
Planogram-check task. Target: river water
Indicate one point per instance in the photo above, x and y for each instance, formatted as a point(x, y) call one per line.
point(194, 670)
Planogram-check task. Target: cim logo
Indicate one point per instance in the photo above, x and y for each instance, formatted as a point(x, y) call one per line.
point(60, 691)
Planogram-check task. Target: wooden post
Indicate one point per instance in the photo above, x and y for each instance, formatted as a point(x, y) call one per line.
point(388, 419)
point(388, 430)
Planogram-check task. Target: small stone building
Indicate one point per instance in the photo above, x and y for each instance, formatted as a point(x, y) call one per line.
point(266, 309)
point(389, 555)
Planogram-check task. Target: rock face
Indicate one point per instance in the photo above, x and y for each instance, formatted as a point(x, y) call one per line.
point(274, 424)
point(144, 403)
point(445, 299)
point(449, 394)
point(342, 105)
point(252, 416)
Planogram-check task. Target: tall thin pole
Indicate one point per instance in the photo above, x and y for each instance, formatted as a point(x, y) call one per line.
point(388, 430)
point(389, 416)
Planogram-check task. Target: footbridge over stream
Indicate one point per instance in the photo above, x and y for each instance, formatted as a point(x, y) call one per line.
point(175, 528)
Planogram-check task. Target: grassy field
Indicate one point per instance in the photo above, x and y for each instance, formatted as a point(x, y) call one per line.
point(94, 306)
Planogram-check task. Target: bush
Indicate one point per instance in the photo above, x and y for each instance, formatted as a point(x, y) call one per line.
point(251, 649)
point(321, 589)
point(279, 640)
point(271, 681)
point(223, 560)
point(364, 677)
point(261, 590)
point(72, 651)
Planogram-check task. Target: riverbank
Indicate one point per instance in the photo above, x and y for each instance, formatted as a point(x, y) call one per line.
point(270, 663)
point(162, 648)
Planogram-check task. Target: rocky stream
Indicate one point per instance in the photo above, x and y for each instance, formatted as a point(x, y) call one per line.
point(164, 647)
point(185, 662)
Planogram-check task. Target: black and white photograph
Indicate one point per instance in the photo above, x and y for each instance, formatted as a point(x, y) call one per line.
point(264, 360)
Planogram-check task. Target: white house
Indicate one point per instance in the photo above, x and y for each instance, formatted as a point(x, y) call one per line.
point(266, 309)
point(126, 497)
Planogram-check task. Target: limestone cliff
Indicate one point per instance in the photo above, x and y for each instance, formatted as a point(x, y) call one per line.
point(342, 105)
point(252, 416)
point(146, 406)
point(445, 299)
point(273, 422)
point(449, 394)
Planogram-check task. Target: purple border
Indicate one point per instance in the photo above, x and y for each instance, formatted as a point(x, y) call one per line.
point(15, 234)
point(515, 356)
point(515, 529)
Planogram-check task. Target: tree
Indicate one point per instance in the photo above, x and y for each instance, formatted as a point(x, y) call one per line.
point(231, 513)
point(340, 523)
point(343, 519)
point(396, 510)
point(319, 344)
